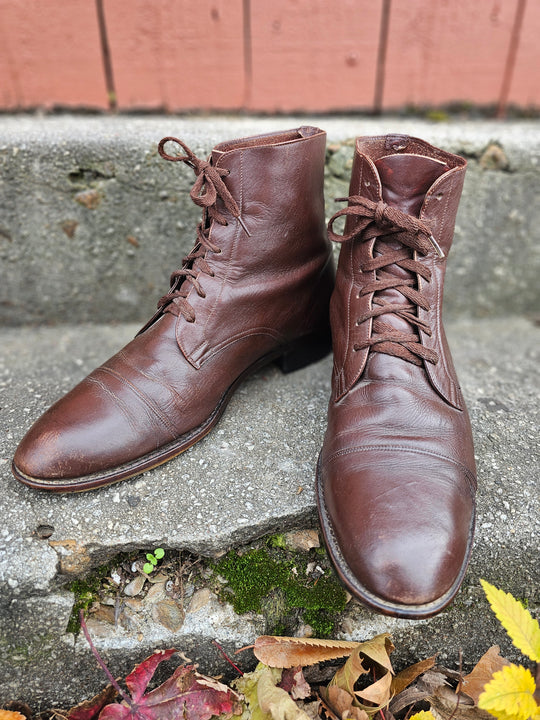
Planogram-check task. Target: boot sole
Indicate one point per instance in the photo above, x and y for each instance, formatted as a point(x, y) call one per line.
point(299, 354)
point(347, 577)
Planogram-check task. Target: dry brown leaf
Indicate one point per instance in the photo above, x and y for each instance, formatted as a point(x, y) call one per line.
point(11, 715)
point(490, 662)
point(341, 704)
point(348, 674)
point(373, 652)
point(378, 649)
point(444, 703)
point(425, 687)
point(325, 711)
point(378, 692)
point(287, 652)
point(404, 678)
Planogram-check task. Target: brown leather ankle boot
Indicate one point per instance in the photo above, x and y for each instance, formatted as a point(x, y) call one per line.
point(396, 475)
point(254, 289)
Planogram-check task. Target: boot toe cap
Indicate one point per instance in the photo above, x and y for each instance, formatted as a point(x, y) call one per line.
point(85, 437)
point(399, 528)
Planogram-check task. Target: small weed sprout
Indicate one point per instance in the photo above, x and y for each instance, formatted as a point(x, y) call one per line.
point(153, 559)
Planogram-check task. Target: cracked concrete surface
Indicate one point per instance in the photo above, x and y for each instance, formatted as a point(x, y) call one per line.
point(252, 475)
point(68, 256)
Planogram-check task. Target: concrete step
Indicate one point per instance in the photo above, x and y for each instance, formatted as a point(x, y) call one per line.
point(93, 221)
point(253, 475)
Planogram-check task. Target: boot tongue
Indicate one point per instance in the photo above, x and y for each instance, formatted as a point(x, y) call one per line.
point(405, 180)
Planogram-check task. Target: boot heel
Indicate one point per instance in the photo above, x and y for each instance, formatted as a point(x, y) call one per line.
point(304, 351)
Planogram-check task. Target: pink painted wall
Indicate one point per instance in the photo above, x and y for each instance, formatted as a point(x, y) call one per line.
point(279, 56)
point(50, 54)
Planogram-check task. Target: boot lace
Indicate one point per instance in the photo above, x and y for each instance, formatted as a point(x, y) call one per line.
point(381, 222)
point(208, 186)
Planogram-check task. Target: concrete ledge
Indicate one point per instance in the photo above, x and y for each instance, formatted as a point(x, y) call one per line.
point(252, 475)
point(93, 221)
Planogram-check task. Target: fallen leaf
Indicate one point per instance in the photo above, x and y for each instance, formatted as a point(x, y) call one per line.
point(186, 694)
point(518, 622)
point(422, 715)
point(311, 709)
point(473, 683)
point(274, 702)
point(446, 703)
point(425, 687)
point(286, 652)
point(22, 708)
point(346, 677)
point(341, 703)
point(510, 693)
point(294, 682)
point(265, 700)
point(372, 654)
point(90, 709)
point(302, 540)
point(11, 715)
point(404, 678)
point(138, 679)
point(378, 692)
point(378, 649)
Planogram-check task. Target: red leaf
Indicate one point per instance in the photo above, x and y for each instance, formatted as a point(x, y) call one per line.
point(186, 694)
point(138, 679)
point(90, 709)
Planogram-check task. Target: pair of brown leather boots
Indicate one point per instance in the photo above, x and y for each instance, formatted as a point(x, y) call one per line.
point(396, 474)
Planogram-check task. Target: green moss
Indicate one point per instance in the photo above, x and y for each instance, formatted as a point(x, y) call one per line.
point(88, 590)
point(273, 580)
point(277, 541)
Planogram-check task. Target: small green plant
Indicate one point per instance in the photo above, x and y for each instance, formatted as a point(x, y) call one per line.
point(153, 559)
point(510, 694)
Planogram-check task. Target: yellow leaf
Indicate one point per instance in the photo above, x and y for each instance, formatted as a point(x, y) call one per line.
point(275, 702)
point(523, 629)
point(510, 694)
point(422, 715)
point(265, 700)
point(286, 652)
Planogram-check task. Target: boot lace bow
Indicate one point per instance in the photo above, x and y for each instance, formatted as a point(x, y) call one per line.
point(208, 186)
point(398, 237)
